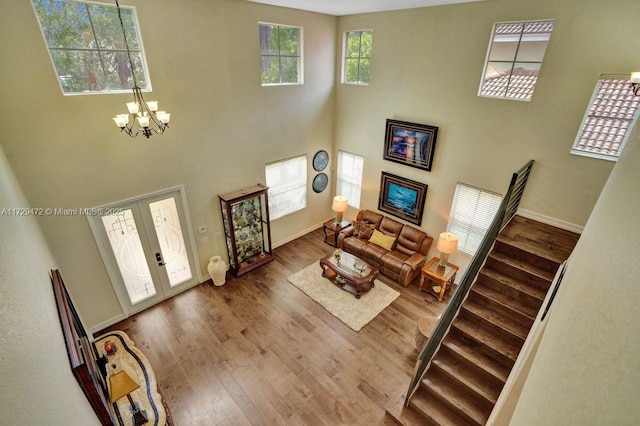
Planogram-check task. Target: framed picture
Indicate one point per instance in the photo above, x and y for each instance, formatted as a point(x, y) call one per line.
point(402, 197)
point(410, 144)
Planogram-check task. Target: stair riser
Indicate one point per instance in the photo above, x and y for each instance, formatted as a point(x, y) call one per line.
point(483, 386)
point(529, 257)
point(444, 391)
point(508, 290)
point(519, 317)
point(488, 381)
point(468, 354)
point(495, 330)
point(519, 274)
point(444, 404)
point(471, 341)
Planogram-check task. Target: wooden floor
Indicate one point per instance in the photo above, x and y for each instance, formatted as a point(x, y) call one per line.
point(259, 351)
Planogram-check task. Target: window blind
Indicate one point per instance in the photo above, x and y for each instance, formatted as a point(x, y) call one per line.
point(349, 184)
point(287, 182)
point(471, 215)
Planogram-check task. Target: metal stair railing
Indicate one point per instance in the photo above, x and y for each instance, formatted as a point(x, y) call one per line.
point(505, 213)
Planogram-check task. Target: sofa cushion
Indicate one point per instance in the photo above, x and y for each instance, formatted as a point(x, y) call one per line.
point(382, 240)
point(393, 261)
point(373, 253)
point(370, 217)
point(410, 240)
point(390, 227)
point(354, 245)
point(362, 229)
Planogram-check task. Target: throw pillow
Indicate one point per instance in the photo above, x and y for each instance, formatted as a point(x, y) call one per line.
point(382, 240)
point(362, 229)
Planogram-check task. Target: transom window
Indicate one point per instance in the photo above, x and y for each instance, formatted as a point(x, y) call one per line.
point(287, 182)
point(87, 47)
point(280, 54)
point(611, 114)
point(514, 59)
point(472, 212)
point(349, 182)
point(356, 65)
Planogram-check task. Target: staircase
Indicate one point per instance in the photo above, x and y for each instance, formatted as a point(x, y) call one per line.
point(468, 372)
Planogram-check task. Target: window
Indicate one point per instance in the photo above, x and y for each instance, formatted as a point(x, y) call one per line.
point(87, 47)
point(471, 215)
point(349, 183)
point(612, 112)
point(514, 59)
point(287, 182)
point(280, 55)
point(357, 56)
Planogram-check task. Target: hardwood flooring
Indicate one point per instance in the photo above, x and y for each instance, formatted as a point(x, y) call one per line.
point(257, 351)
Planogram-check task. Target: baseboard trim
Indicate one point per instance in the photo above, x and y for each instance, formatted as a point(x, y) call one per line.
point(567, 226)
point(298, 235)
point(107, 323)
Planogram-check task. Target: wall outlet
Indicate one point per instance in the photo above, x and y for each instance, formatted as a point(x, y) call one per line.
point(218, 234)
point(204, 240)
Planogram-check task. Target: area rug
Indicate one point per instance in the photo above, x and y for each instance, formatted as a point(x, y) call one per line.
point(356, 313)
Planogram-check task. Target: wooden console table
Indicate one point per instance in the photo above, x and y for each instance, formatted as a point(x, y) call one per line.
point(440, 278)
point(129, 358)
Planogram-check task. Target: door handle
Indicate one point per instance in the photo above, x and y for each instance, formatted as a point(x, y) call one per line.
point(159, 259)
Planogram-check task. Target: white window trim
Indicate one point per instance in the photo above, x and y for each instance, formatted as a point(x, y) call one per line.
point(300, 56)
point(356, 185)
point(148, 88)
point(344, 58)
point(599, 155)
point(486, 60)
point(274, 214)
point(455, 223)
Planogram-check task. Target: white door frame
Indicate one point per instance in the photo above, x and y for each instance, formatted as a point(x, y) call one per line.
point(108, 258)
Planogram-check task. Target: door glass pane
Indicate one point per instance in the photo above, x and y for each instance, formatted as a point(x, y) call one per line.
point(174, 253)
point(127, 248)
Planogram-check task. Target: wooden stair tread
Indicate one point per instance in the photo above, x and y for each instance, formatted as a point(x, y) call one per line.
point(523, 265)
point(510, 327)
point(459, 372)
point(463, 351)
point(562, 237)
point(433, 411)
point(515, 284)
point(495, 296)
point(457, 399)
point(488, 339)
point(404, 416)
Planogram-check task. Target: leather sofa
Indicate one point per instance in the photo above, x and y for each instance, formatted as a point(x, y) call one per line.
point(405, 257)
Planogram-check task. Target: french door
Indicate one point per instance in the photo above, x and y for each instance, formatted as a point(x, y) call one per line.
point(147, 248)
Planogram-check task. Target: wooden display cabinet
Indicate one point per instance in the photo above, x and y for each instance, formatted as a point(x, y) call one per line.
point(247, 231)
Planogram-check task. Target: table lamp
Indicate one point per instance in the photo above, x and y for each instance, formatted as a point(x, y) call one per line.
point(447, 244)
point(121, 384)
point(340, 205)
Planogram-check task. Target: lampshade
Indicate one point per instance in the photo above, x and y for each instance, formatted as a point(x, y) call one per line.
point(340, 204)
point(447, 243)
point(121, 384)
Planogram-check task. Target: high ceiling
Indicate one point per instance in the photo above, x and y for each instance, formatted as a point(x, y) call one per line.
point(351, 7)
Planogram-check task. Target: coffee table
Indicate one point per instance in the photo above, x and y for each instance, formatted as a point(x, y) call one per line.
point(344, 274)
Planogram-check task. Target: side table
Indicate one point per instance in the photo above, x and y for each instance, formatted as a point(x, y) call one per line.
point(440, 278)
point(331, 231)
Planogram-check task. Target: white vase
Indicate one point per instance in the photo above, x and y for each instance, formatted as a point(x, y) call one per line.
point(217, 270)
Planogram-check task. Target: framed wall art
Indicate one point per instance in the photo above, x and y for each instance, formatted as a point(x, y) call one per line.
point(410, 144)
point(403, 198)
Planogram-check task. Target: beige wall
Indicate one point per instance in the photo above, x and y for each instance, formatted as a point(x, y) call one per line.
point(37, 386)
point(204, 65)
point(586, 370)
point(426, 68)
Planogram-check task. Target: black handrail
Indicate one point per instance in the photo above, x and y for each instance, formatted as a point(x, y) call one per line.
point(505, 213)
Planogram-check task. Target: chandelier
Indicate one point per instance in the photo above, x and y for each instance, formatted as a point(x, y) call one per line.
point(143, 117)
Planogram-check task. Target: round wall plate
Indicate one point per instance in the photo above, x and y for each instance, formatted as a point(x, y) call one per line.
point(320, 182)
point(320, 160)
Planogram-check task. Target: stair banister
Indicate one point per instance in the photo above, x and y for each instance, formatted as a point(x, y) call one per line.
point(505, 213)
